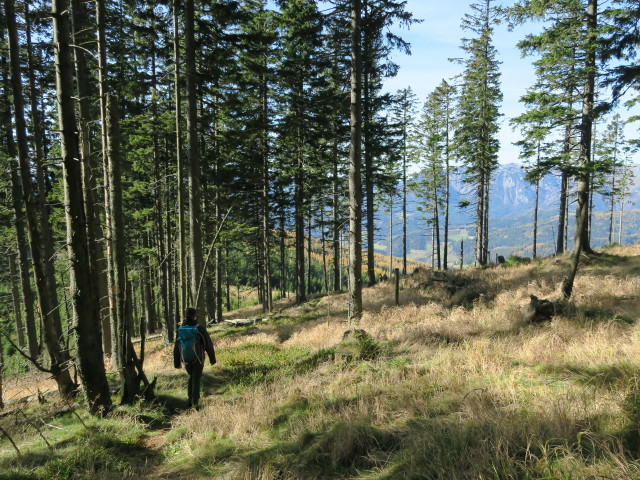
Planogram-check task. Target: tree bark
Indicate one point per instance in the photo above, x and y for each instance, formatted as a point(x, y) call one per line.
point(404, 195)
point(586, 129)
point(147, 298)
point(264, 151)
point(612, 202)
point(195, 203)
point(564, 185)
point(94, 228)
point(480, 219)
point(17, 307)
point(283, 257)
point(301, 292)
point(436, 228)
point(22, 241)
point(127, 368)
point(355, 159)
point(335, 217)
point(182, 244)
point(161, 249)
point(534, 253)
point(368, 171)
point(582, 211)
point(83, 288)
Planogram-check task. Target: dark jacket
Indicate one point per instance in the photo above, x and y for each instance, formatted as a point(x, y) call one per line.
point(205, 344)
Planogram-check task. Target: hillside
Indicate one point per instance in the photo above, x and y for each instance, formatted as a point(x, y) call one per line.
point(452, 385)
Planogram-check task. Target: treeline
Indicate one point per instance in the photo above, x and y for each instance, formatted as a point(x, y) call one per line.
point(157, 153)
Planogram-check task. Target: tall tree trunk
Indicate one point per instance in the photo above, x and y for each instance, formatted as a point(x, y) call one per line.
point(404, 197)
point(355, 159)
point(368, 174)
point(15, 297)
point(582, 213)
point(219, 263)
point(390, 234)
point(485, 222)
point(301, 295)
point(480, 218)
point(162, 216)
point(108, 220)
point(45, 280)
point(174, 313)
point(534, 253)
point(219, 269)
point(335, 223)
point(612, 202)
point(94, 228)
point(147, 298)
point(182, 244)
point(23, 247)
point(586, 128)
point(323, 239)
point(283, 257)
point(264, 151)
point(309, 254)
point(436, 228)
point(130, 384)
point(195, 203)
point(447, 193)
point(85, 300)
point(564, 185)
point(161, 250)
point(620, 220)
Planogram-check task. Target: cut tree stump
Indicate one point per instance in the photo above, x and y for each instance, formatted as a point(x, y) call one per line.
point(542, 310)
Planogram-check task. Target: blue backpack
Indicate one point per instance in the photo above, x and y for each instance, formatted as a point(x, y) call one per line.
point(189, 345)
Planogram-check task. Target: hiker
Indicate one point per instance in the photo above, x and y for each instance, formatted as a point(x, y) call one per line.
point(192, 341)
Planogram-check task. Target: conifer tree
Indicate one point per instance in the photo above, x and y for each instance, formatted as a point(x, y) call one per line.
point(428, 151)
point(610, 155)
point(478, 113)
point(403, 111)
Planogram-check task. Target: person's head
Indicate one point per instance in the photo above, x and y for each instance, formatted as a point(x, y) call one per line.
point(191, 316)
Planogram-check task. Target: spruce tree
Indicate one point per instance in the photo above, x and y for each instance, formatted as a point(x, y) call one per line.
point(403, 111)
point(478, 114)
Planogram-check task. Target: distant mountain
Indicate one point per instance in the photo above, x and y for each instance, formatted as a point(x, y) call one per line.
point(512, 200)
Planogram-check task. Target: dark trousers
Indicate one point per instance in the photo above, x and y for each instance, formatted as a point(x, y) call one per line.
point(193, 387)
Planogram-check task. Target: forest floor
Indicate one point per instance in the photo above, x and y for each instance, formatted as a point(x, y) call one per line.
point(451, 384)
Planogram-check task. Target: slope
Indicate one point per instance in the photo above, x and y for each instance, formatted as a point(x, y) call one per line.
point(454, 385)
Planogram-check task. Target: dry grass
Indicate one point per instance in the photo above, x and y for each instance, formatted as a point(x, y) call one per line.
point(470, 390)
point(462, 389)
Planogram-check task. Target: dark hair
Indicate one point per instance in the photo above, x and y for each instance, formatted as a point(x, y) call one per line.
point(190, 316)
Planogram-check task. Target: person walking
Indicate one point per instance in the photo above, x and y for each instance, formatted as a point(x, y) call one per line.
point(192, 341)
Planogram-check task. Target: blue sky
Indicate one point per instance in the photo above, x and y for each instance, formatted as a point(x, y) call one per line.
point(438, 38)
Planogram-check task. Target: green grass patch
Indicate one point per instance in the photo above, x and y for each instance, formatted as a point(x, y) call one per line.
point(251, 363)
point(613, 377)
point(101, 448)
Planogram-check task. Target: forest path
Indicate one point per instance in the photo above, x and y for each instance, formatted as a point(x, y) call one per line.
point(160, 437)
